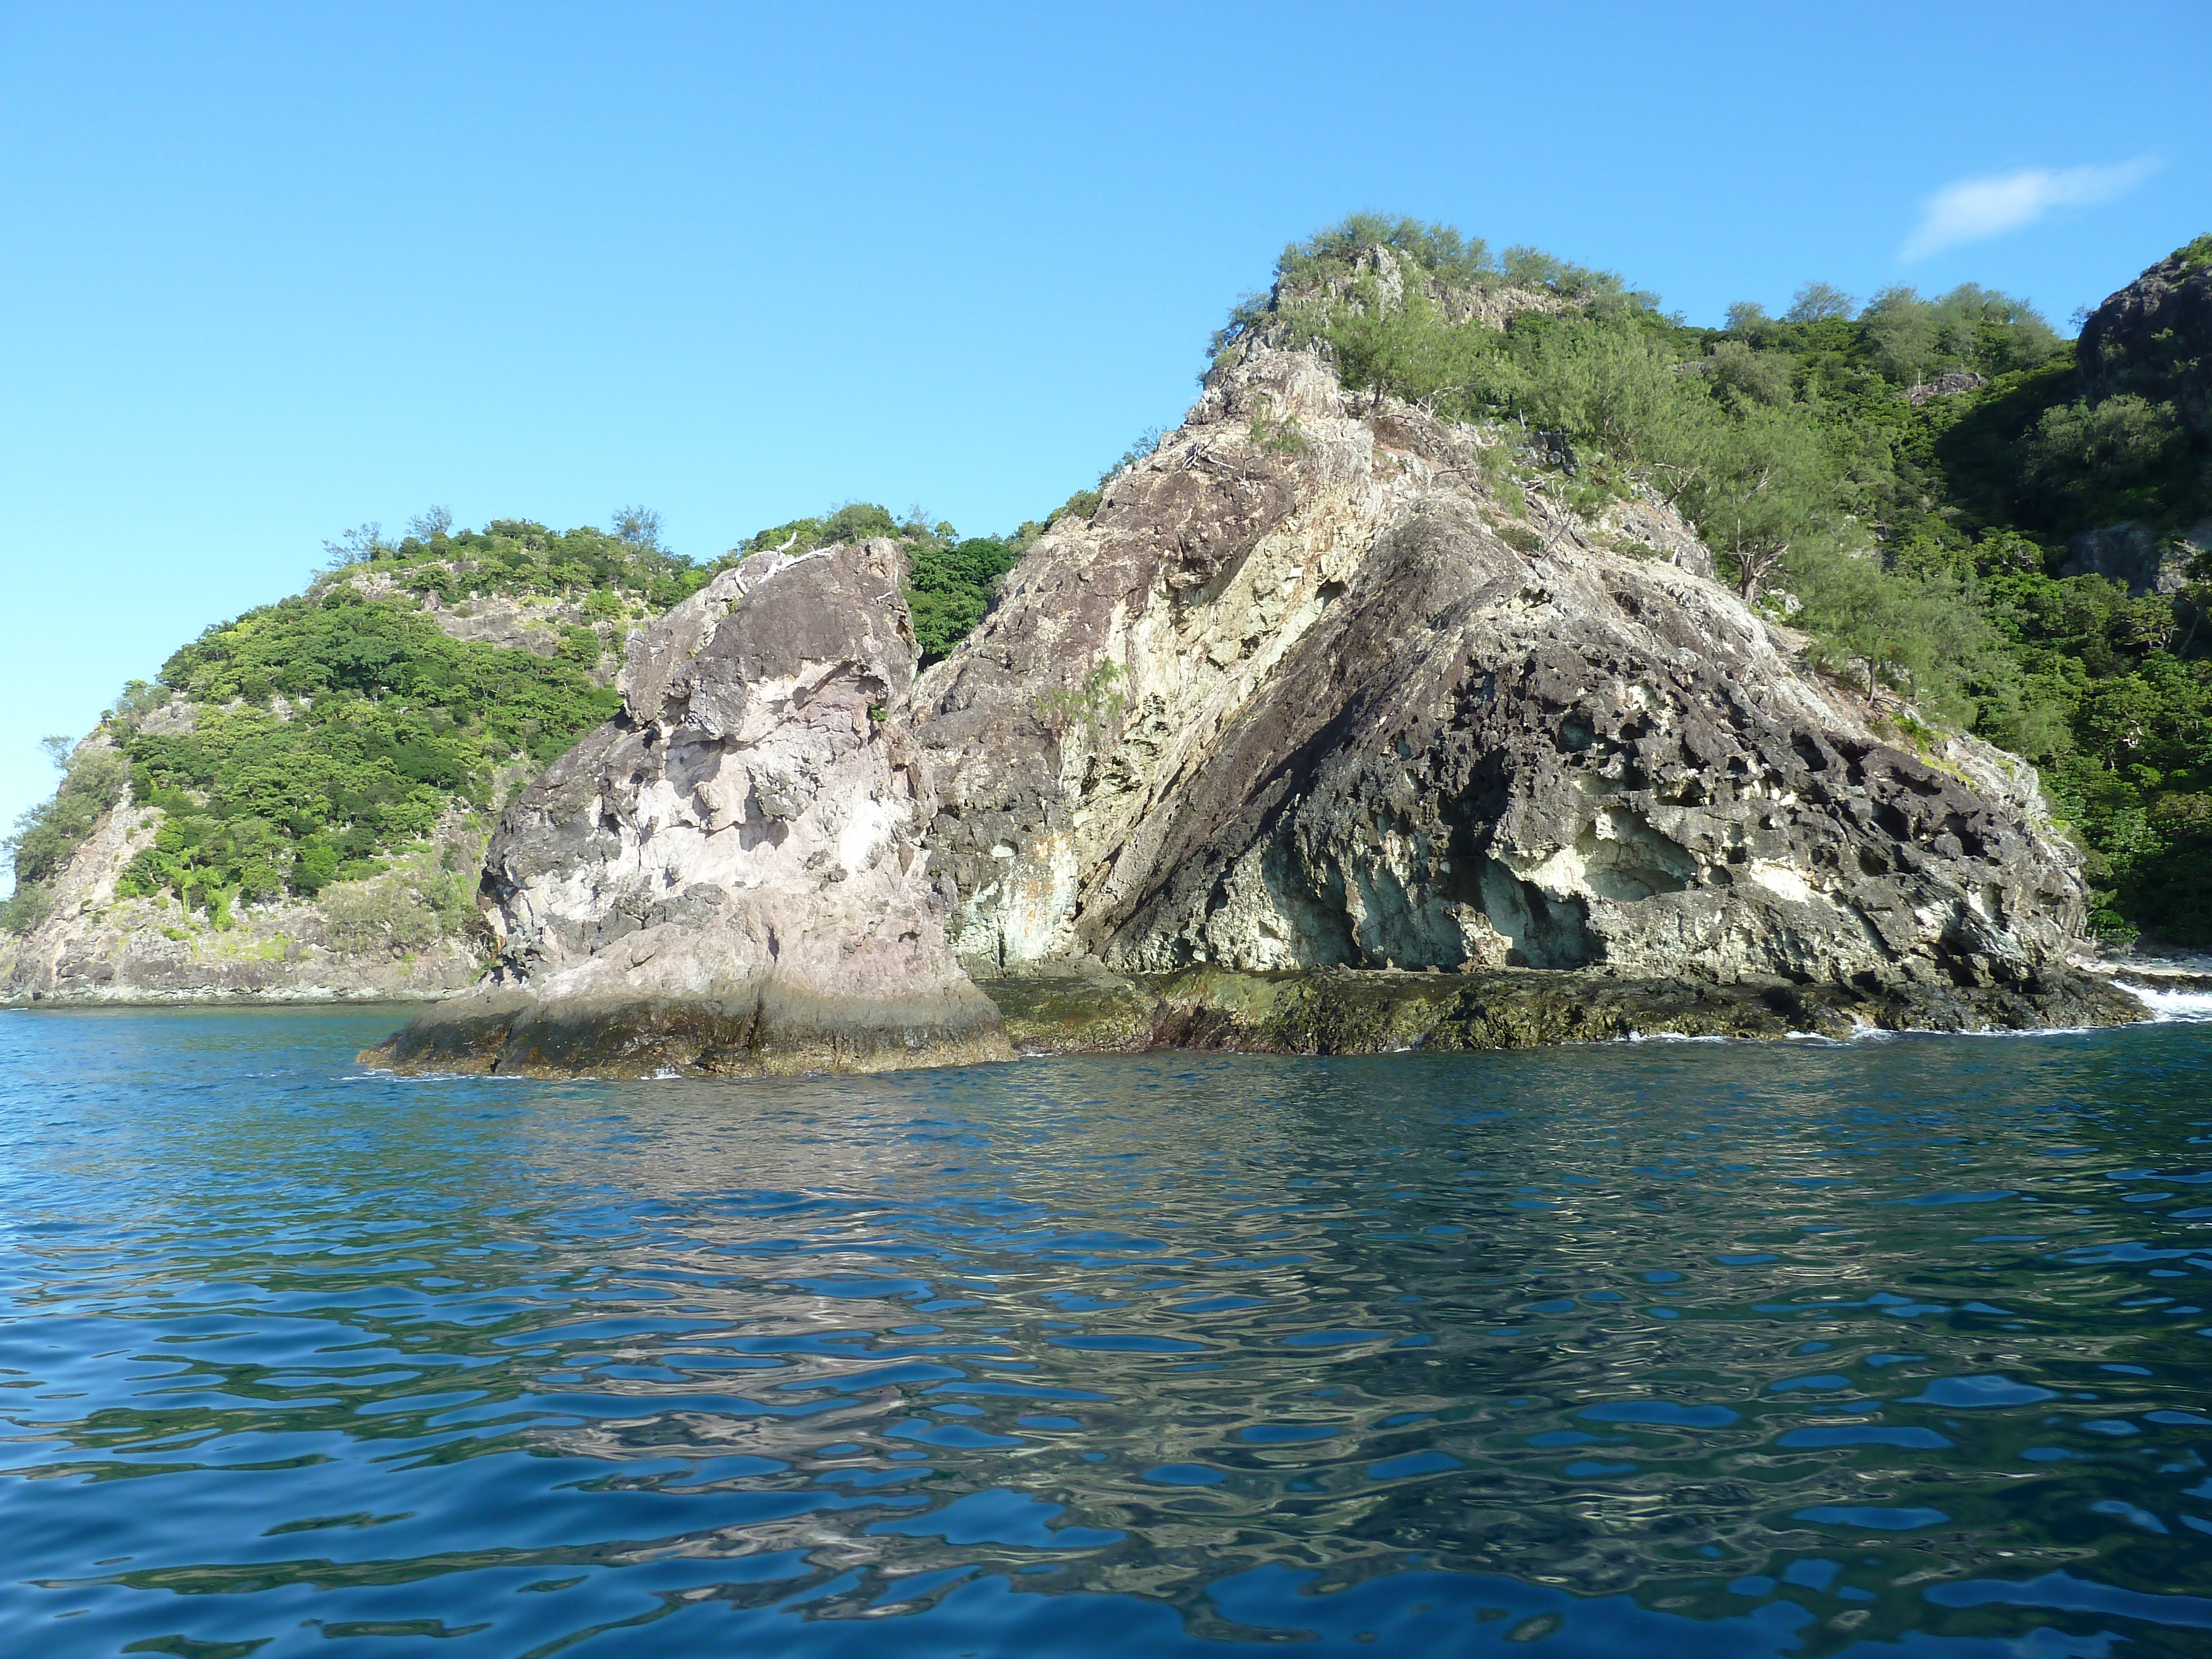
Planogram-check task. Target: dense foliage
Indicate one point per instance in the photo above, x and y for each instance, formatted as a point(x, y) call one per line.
point(518, 556)
point(331, 730)
point(1902, 477)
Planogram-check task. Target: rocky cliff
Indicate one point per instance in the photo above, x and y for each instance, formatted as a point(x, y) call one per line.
point(731, 876)
point(1323, 687)
point(1368, 708)
point(2153, 340)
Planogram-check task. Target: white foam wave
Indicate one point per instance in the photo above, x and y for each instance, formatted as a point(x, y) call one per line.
point(2188, 1007)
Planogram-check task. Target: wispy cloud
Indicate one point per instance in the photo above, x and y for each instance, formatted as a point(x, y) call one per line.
point(1975, 209)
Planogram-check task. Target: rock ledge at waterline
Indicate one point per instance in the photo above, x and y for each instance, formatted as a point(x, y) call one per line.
point(1309, 693)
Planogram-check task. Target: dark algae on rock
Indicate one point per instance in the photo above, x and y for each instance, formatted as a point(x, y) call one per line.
point(1341, 1011)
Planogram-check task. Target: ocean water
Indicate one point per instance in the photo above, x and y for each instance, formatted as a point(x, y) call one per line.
point(1899, 1346)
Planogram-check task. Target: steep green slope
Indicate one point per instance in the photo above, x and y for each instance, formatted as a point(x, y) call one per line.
point(334, 729)
point(310, 741)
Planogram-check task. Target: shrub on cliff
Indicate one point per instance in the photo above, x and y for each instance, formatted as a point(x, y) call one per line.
point(39, 846)
point(951, 588)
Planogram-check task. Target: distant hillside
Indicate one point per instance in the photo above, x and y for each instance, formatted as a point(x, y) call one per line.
point(300, 799)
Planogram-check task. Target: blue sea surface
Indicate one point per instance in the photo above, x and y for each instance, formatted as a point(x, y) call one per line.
point(1891, 1347)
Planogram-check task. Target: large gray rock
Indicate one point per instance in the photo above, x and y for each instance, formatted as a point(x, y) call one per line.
point(1309, 689)
point(730, 878)
point(1322, 685)
point(2137, 555)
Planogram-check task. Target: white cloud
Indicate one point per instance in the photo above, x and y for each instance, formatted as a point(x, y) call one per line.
point(1975, 209)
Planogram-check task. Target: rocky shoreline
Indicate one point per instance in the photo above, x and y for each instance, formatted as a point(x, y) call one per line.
point(1336, 1010)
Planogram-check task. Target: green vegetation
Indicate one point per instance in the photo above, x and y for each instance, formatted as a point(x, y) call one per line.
point(1914, 528)
point(951, 588)
point(518, 556)
point(42, 839)
point(1095, 702)
point(330, 733)
point(331, 730)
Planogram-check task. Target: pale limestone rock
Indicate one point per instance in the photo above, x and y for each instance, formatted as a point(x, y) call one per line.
point(731, 876)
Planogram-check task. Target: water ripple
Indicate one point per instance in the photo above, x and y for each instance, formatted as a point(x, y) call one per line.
point(1635, 1348)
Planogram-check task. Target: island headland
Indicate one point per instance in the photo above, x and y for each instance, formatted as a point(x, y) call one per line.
point(1335, 720)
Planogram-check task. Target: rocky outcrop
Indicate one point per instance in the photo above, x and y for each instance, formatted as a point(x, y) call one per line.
point(1958, 382)
point(1316, 688)
point(2139, 556)
point(2154, 339)
point(1336, 726)
point(729, 878)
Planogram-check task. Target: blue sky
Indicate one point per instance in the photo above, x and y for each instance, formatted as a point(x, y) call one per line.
point(271, 271)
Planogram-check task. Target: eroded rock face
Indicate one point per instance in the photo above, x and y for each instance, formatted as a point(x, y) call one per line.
point(730, 878)
point(1307, 690)
point(2154, 339)
point(2137, 555)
